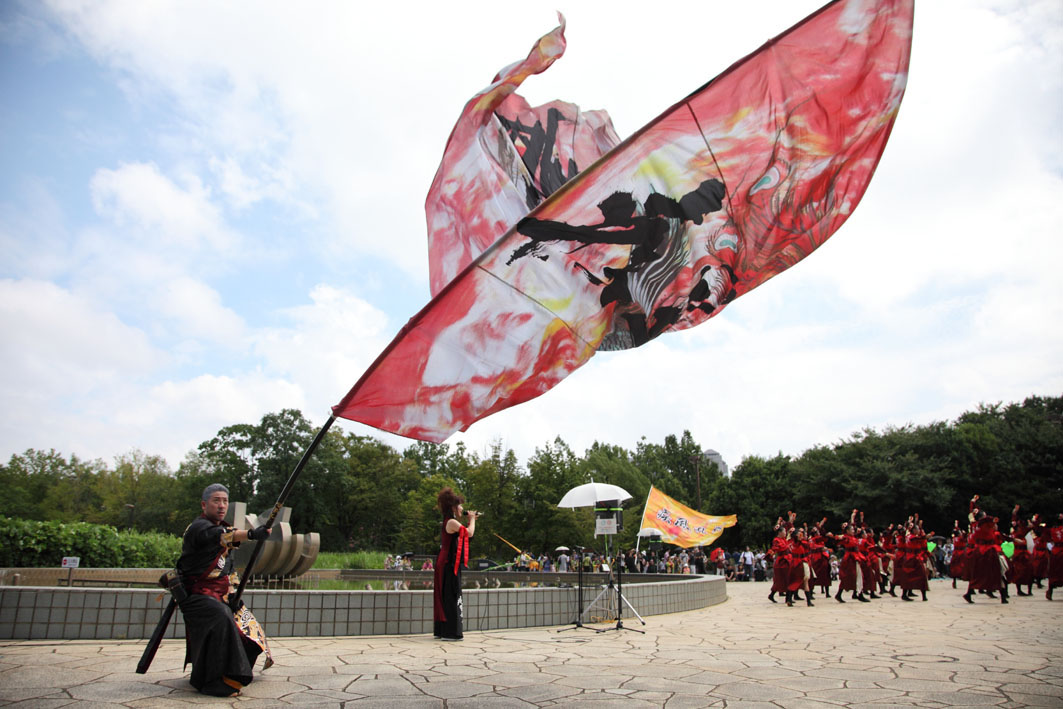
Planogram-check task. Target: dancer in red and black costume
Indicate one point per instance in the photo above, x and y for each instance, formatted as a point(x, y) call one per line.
point(869, 569)
point(1020, 571)
point(780, 554)
point(800, 569)
point(901, 565)
point(819, 558)
point(1055, 558)
point(849, 574)
point(916, 557)
point(888, 562)
point(958, 564)
point(1042, 534)
point(984, 555)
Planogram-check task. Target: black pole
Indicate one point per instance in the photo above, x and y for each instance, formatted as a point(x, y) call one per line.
point(234, 600)
point(156, 637)
point(578, 623)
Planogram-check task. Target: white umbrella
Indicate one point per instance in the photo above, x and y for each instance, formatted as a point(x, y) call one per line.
point(650, 532)
point(588, 494)
point(562, 549)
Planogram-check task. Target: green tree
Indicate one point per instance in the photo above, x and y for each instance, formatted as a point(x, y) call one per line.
point(29, 482)
point(139, 493)
point(371, 493)
point(492, 486)
point(552, 471)
point(758, 492)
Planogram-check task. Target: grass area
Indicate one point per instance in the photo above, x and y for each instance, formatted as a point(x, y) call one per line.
point(350, 560)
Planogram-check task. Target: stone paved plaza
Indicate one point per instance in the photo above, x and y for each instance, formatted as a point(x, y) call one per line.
point(743, 653)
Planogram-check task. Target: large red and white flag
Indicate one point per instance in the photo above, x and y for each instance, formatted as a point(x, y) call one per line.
point(727, 188)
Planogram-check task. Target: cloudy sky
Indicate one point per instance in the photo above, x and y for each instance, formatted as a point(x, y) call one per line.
point(211, 211)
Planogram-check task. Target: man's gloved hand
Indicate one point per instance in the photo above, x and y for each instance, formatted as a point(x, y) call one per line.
point(258, 533)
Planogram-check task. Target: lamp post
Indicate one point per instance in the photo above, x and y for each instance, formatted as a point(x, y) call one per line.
point(130, 506)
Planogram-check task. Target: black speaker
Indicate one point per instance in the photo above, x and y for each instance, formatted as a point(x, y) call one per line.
point(610, 509)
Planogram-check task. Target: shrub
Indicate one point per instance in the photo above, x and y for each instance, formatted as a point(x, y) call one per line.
point(28, 543)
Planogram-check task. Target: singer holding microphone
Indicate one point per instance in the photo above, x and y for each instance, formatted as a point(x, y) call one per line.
point(453, 555)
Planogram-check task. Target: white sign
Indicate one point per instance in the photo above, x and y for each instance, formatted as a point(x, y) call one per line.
point(71, 562)
point(605, 526)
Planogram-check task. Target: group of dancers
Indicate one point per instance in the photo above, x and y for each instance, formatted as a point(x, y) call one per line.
point(874, 564)
point(978, 554)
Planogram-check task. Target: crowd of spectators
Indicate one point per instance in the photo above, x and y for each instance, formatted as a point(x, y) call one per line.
point(735, 564)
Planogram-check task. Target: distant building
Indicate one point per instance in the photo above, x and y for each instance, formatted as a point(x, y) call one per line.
point(714, 457)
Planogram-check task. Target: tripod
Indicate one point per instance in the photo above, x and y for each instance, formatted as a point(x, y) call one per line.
point(621, 600)
point(577, 556)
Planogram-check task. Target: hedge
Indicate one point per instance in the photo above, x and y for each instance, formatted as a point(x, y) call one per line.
point(28, 543)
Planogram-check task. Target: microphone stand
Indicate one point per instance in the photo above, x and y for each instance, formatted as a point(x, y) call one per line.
point(620, 599)
point(578, 623)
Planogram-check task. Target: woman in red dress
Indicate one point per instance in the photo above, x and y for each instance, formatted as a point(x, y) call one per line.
point(984, 556)
point(849, 575)
point(1042, 533)
point(902, 566)
point(453, 555)
point(1055, 558)
point(957, 567)
point(917, 556)
point(819, 559)
point(869, 568)
point(799, 567)
point(1020, 570)
point(780, 554)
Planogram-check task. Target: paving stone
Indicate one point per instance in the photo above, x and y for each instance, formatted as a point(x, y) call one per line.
point(1036, 700)
point(509, 679)
point(388, 702)
point(691, 701)
point(18, 694)
point(116, 692)
point(849, 696)
point(596, 681)
point(539, 693)
point(383, 688)
point(961, 698)
point(33, 676)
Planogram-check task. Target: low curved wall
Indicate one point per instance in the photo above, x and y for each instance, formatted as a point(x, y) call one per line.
point(126, 613)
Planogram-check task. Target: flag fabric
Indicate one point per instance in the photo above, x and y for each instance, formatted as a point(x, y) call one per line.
point(729, 187)
point(503, 158)
point(680, 525)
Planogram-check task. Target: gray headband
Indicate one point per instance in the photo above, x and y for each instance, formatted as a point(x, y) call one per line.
point(211, 489)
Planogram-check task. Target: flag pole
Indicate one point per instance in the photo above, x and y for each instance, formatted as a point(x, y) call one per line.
point(642, 519)
point(234, 600)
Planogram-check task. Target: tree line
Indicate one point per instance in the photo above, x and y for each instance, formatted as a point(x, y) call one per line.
point(361, 494)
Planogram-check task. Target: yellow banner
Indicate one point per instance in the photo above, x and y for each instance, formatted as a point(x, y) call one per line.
point(680, 525)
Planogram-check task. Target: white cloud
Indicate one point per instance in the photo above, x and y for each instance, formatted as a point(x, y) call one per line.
point(160, 211)
point(62, 356)
point(196, 311)
point(327, 344)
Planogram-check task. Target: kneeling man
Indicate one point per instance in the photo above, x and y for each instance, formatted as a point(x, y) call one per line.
point(221, 645)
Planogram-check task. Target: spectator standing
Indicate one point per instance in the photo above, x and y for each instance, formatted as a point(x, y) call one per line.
point(747, 562)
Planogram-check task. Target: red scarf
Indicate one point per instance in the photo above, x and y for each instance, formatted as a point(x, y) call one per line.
point(463, 546)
